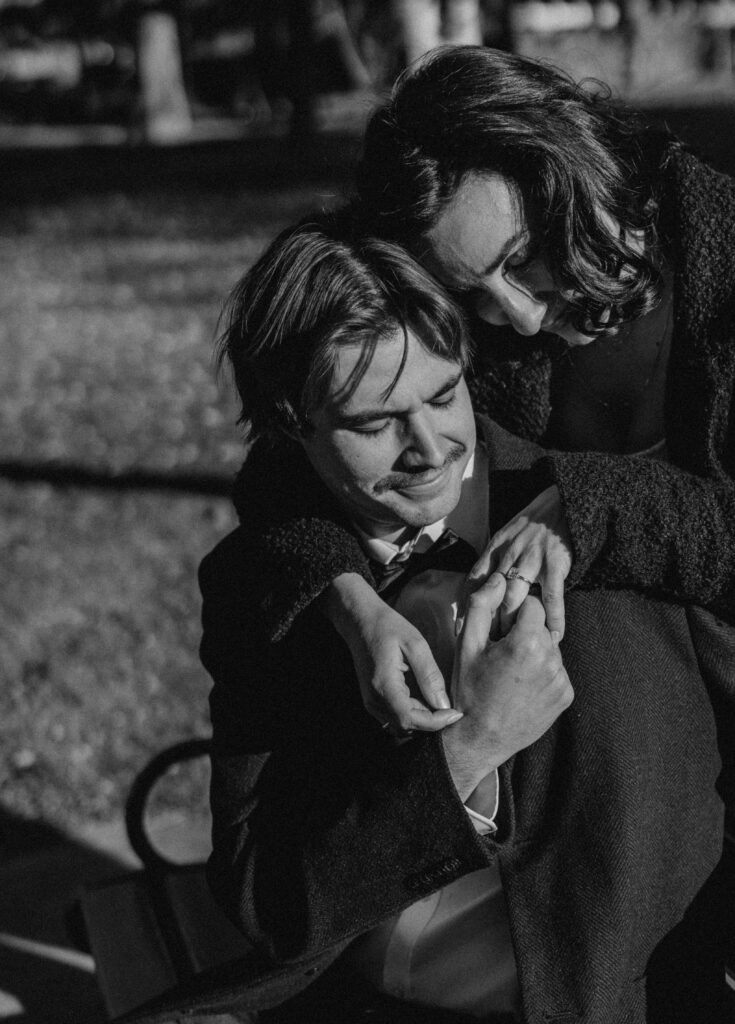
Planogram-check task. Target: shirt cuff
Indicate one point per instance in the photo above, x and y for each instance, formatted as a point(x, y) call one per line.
point(485, 823)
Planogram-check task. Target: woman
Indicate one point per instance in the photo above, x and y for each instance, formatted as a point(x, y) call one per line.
point(596, 261)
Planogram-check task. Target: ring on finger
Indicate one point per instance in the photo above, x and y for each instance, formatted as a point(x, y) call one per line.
point(514, 574)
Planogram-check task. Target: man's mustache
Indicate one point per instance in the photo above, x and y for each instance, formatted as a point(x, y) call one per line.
point(396, 481)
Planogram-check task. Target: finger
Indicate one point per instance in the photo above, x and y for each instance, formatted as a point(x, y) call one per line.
point(428, 677)
point(390, 703)
point(516, 593)
point(424, 720)
point(482, 610)
point(484, 567)
point(395, 718)
point(531, 615)
point(552, 596)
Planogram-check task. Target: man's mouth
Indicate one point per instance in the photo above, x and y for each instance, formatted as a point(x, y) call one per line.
point(421, 481)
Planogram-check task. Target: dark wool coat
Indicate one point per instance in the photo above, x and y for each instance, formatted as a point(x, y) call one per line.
point(638, 523)
point(610, 826)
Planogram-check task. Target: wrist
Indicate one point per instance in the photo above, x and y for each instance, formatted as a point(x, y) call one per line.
point(344, 599)
point(469, 759)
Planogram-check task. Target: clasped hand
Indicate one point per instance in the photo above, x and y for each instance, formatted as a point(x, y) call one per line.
point(385, 647)
point(510, 690)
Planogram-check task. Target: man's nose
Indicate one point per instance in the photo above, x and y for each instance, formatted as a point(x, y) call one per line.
point(511, 305)
point(423, 444)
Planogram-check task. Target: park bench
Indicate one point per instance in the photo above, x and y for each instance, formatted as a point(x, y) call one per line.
point(156, 934)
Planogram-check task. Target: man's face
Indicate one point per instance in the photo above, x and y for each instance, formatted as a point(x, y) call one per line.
point(394, 460)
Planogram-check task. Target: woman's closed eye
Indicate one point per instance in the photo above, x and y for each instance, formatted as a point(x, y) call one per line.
point(445, 400)
point(523, 259)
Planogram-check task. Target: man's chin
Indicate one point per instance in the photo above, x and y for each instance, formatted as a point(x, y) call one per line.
point(422, 510)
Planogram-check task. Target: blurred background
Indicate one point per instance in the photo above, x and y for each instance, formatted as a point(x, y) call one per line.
point(148, 152)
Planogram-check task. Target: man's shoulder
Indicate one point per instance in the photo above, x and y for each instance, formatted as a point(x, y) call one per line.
point(231, 566)
point(506, 451)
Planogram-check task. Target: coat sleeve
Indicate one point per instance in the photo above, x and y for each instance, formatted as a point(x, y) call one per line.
point(647, 524)
point(322, 826)
point(300, 531)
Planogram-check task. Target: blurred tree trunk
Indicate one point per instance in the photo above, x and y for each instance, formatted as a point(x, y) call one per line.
point(163, 100)
point(428, 23)
point(303, 19)
point(332, 25)
point(311, 22)
point(462, 22)
point(421, 23)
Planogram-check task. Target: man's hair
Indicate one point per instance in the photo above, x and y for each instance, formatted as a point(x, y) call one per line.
point(583, 178)
point(318, 286)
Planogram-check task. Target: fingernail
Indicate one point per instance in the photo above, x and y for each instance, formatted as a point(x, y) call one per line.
point(443, 702)
point(555, 636)
point(458, 624)
point(455, 717)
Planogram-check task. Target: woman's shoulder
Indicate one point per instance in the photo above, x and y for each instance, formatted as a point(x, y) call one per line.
point(698, 208)
point(702, 197)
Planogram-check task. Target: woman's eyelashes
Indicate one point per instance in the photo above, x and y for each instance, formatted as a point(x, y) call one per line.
point(523, 258)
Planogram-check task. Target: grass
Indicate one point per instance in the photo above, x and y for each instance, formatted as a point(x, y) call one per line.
point(109, 308)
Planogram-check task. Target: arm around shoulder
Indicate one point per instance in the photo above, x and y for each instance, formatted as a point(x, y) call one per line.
point(302, 538)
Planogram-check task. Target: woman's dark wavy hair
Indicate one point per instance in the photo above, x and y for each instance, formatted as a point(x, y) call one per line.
point(320, 285)
point(583, 175)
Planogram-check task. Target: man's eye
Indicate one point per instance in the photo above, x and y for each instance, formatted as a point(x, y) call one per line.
point(372, 428)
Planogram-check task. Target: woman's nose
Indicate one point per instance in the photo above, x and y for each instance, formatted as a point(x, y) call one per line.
point(513, 306)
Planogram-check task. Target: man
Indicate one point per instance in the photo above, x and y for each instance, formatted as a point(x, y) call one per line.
point(535, 861)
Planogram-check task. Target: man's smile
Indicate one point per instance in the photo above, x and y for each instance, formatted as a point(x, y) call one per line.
point(421, 482)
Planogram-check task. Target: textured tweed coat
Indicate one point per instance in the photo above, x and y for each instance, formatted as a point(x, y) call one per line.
point(666, 529)
point(610, 826)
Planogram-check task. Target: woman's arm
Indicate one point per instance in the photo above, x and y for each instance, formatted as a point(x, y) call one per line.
point(308, 553)
point(637, 522)
point(288, 514)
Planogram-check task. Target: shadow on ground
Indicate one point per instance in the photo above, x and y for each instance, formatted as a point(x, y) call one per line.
point(44, 977)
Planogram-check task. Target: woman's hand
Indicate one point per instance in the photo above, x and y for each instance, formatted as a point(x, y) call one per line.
point(536, 543)
point(384, 647)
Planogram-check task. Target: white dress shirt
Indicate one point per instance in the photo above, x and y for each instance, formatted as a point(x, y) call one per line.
point(452, 949)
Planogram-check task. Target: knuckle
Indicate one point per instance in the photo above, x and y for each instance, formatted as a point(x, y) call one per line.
point(566, 697)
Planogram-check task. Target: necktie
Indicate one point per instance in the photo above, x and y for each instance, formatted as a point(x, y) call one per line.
point(449, 553)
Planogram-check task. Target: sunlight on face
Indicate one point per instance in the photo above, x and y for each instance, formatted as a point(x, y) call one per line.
point(482, 248)
point(394, 460)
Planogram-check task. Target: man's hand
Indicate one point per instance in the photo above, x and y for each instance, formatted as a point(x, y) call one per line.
point(511, 690)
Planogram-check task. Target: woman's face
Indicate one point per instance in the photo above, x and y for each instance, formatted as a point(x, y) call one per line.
point(481, 247)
